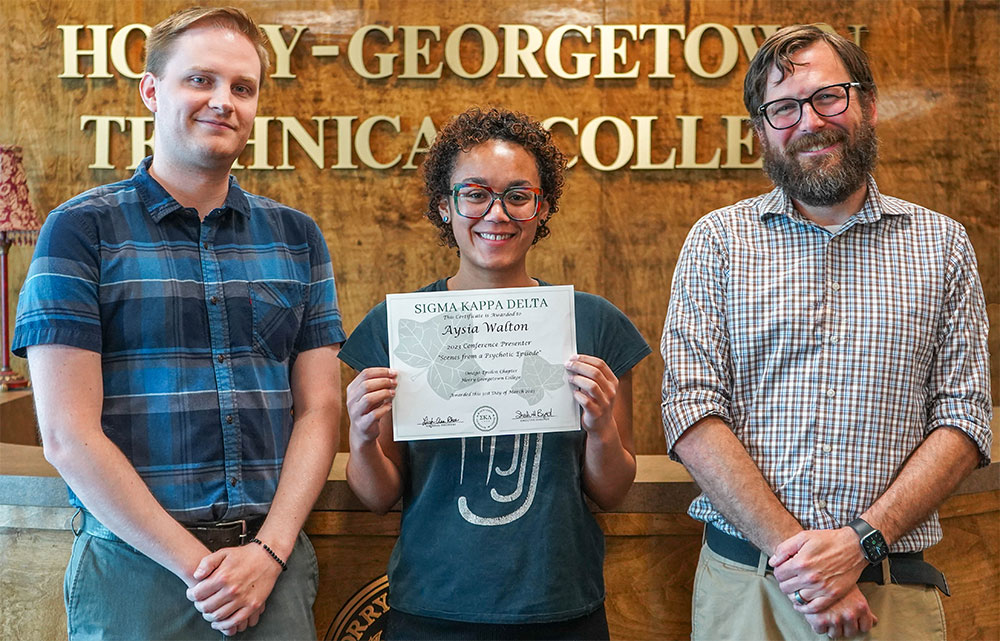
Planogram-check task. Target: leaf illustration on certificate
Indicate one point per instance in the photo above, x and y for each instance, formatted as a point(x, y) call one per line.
point(423, 346)
point(538, 375)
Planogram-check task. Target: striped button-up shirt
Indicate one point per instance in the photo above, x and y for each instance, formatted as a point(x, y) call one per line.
point(831, 355)
point(198, 325)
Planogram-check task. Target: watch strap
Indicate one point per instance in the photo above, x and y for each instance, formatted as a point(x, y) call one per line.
point(862, 527)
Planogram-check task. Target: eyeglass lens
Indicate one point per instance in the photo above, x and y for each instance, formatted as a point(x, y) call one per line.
point(828, 101)
point(473, 201)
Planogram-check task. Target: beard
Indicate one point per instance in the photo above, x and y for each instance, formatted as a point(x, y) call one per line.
point(828, 180)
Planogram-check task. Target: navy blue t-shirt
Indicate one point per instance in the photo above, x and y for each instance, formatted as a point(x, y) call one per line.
point(495, 529)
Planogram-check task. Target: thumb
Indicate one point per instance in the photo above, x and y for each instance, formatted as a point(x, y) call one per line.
point(209, 564)
point(786, 550)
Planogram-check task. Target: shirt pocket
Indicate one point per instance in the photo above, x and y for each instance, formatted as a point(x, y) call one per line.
point(277, 308)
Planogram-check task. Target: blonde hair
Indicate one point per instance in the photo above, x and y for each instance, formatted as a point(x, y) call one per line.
point(160, 42)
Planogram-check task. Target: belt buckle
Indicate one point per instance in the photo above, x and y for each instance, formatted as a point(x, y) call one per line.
point(243, 528)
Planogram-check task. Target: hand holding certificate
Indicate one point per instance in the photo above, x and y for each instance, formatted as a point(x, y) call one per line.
point(477, 362)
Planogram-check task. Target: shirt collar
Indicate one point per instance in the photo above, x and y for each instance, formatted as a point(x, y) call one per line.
point(778, 203)
point(159, 203)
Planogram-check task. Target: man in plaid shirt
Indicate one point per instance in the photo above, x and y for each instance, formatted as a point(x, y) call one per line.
point(182, 336)
point(827, 374)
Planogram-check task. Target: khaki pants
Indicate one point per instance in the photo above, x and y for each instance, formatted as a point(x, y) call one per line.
point(735, 601)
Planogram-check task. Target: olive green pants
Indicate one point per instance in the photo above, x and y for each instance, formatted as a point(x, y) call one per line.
point(735, 601)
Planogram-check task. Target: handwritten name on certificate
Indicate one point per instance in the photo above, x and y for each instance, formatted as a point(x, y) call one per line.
point(482, 362)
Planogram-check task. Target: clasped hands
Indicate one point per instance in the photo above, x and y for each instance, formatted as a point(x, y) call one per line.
point(232, 585)
point(822, 567)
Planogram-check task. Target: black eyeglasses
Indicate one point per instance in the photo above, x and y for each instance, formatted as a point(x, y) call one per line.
point(828, 101)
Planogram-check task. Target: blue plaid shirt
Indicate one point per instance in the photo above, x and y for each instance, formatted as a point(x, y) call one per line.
point(197, 324)
point(831, 356)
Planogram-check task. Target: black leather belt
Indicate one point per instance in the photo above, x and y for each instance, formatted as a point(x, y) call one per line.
point(905, 568)
point(227, 534)
point(214, 536)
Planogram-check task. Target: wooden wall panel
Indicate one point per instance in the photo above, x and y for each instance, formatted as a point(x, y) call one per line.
point(617, 233)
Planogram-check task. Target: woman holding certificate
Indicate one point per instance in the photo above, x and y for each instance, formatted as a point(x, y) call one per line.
point(496, 539)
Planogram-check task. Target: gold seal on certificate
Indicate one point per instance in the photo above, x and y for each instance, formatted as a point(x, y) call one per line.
point(482, 362)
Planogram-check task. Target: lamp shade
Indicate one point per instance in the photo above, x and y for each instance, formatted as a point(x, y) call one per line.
point(17, 216)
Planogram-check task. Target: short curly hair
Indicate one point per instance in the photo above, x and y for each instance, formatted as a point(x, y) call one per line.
point(475, 127)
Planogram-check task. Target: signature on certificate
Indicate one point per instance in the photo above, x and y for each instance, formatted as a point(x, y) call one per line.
point(437, 421)
point(536, 414)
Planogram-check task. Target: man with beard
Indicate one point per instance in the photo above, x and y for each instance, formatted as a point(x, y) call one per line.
point(826, 373)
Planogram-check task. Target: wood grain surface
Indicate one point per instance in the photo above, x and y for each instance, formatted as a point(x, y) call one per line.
point(617, 233)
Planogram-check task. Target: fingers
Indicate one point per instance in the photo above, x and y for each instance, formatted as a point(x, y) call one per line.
point(851, 627)
point(202, 591)
point(822, 591)
point(815, 605)
point(371, 374)
point(815, 600)
point(827, 624)
point(848, 617)
point(370, 406)
point(216, 603)
point(786, 550)
point(211, 614)
point(592, 368)
point(865, 619)
point(255, 617)
point(803, 601)
point(244, 618)
point(817, 623)
point(241, 619)
point(595, 383)
point(869, 622)
point(235, 623)
point(370, 381)
point(369, 398)
point(207, 585)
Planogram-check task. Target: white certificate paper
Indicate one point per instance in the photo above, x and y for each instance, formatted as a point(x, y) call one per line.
point(482, 362)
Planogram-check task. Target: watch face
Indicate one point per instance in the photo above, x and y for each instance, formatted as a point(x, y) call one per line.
point(875, 547)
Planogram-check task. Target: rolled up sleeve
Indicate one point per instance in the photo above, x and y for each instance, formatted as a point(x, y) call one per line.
point(959, 385)
point(697, 379)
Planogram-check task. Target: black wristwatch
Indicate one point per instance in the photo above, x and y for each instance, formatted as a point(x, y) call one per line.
point(873, 544)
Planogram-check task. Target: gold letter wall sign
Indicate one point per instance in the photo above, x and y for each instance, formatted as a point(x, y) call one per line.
point(566, 59)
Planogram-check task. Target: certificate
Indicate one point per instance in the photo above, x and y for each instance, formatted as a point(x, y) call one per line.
point(482, 362)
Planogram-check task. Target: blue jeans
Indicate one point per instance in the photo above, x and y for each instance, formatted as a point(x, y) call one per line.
point(112, 591)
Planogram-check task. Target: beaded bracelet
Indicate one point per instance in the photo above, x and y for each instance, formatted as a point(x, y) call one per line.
point(284, 566)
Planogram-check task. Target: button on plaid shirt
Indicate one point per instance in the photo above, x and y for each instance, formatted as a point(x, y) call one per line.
point(830, 355)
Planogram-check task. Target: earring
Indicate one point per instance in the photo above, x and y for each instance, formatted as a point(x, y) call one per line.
point(444, 218)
